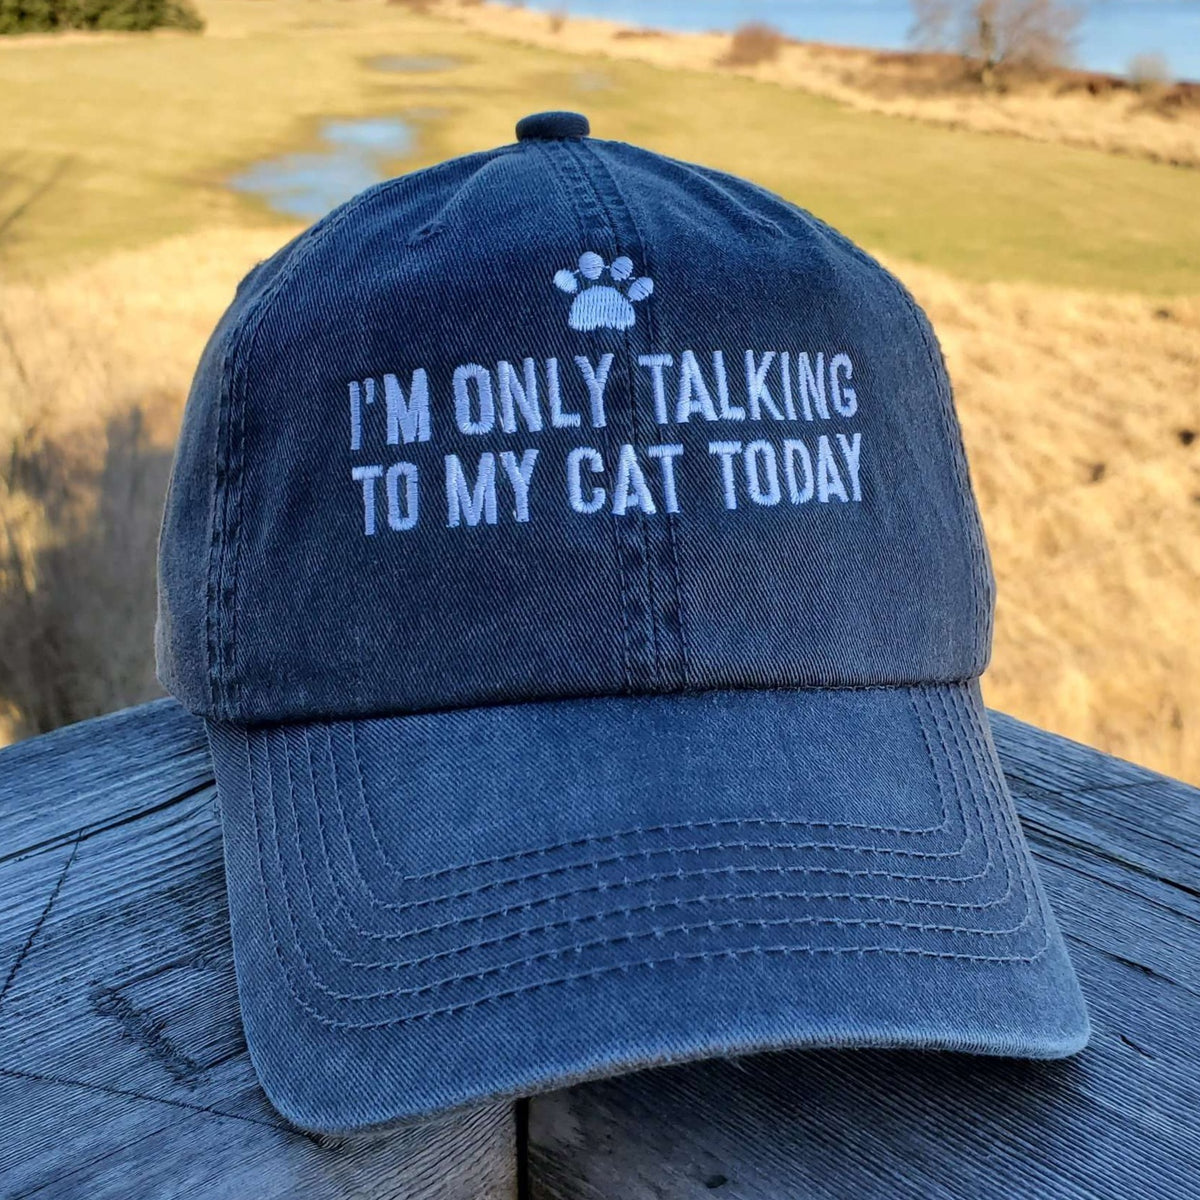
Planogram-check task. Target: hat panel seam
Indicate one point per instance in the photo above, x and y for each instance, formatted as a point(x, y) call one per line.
point(583, 155)
point(714, 183)
point(216, 544)
point(628, 536)
point(240, 354)
point(971, 521)
point(673, 588)
point(574, 185)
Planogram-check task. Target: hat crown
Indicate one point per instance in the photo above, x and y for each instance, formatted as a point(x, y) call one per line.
point(565, 419)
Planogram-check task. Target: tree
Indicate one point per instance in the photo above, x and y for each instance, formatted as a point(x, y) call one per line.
point(25, 16)
point(998, 33)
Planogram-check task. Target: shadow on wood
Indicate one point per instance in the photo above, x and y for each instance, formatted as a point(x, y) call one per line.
point(123, 1072)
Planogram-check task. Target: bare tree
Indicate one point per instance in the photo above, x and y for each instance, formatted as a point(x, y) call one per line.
point(998, 33)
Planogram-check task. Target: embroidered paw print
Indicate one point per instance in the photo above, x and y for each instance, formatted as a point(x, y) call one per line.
point(603, 305)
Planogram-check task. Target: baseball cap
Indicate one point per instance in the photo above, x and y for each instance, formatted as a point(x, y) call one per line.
point(572, 553)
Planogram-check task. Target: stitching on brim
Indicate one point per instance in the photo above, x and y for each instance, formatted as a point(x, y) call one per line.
point(651, 830)
point(625, 968)
point(636, 856)
point(476, 919)
point(610, 914)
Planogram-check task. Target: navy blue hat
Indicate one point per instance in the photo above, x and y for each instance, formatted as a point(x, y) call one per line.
point(573, 555)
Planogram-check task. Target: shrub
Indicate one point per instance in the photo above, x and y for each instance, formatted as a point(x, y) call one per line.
point(752, 44)
point(1148, 72)
point(128, 16)
point(26, 16)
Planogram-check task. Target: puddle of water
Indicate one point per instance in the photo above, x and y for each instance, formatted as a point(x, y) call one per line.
point(412, 63)
point(370, 135)
point(308, 185)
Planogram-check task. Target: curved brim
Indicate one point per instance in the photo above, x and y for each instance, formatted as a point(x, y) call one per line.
point(436, 910)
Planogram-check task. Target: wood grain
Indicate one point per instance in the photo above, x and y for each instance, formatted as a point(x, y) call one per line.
point(1117, 846)
point(123, 1072)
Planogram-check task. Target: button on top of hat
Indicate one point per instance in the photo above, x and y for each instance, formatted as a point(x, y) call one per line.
point(552, 126)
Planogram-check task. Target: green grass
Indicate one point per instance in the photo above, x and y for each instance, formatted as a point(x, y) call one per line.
point(136, 135)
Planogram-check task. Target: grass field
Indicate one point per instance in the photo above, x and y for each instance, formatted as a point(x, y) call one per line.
point(1062, 107)
point(1064, 282)
point(145, 131)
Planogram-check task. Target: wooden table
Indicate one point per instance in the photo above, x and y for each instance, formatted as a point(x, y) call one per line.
point(123, 1072)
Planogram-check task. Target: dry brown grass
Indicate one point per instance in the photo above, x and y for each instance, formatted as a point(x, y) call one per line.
point(1046, 109)
point(1075, 408)
point(1079, 407)
point(77, 538)
point(94, 367)
point(1079, 412)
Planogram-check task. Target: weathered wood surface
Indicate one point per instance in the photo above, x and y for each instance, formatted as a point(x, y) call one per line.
point(123, 1071)
point(1118, 851)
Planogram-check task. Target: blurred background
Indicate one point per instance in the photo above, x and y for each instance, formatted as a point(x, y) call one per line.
point(1030, 169)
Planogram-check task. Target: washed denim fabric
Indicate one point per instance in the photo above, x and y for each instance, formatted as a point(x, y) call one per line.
point(573, 553)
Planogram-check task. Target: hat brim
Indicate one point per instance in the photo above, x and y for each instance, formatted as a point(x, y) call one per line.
point(435, 910)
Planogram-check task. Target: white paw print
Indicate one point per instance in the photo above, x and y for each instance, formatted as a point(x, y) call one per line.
point(603, 305)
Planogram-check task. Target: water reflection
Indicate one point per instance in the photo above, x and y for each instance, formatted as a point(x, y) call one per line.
point(309, 184)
